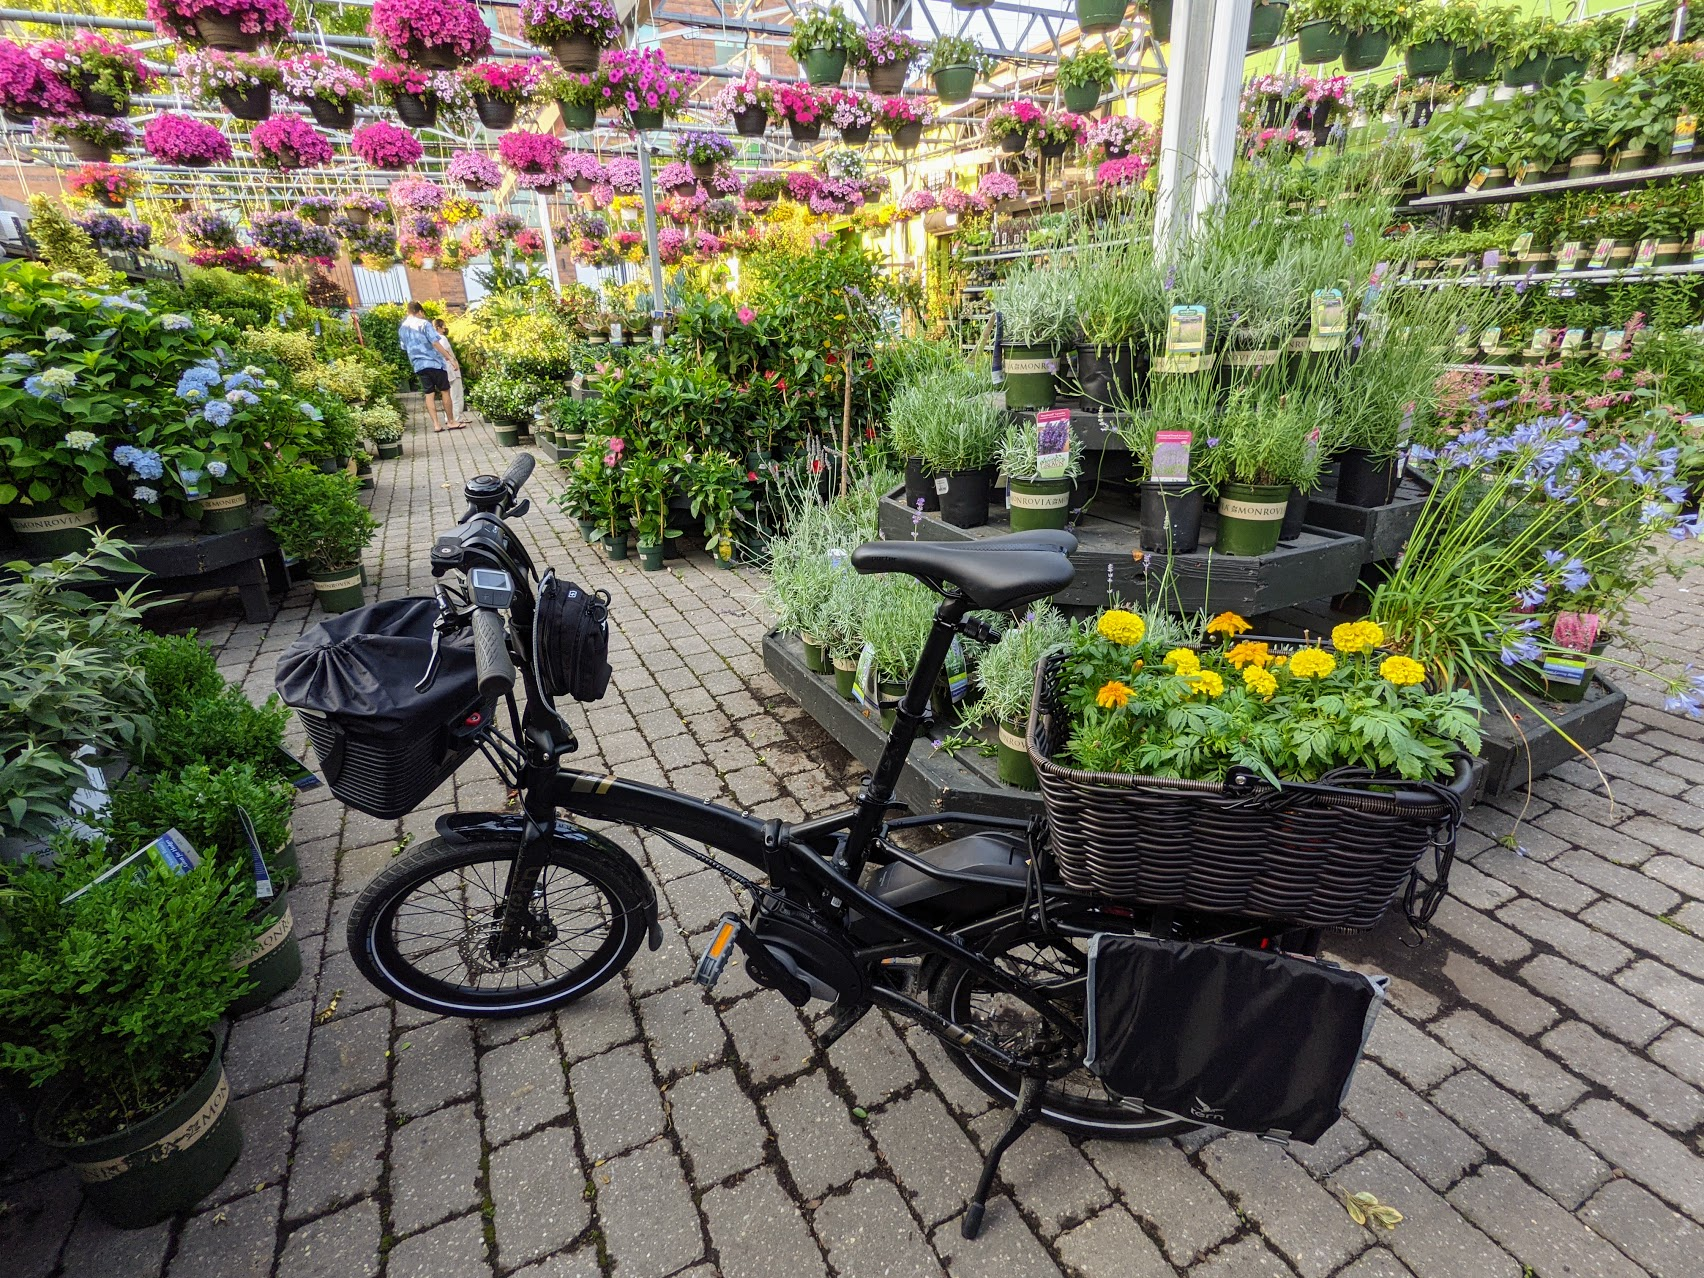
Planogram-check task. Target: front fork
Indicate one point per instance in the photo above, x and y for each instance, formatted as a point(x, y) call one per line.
point(537, 827)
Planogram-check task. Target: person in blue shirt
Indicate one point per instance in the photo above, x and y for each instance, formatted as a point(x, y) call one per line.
point(431, 357)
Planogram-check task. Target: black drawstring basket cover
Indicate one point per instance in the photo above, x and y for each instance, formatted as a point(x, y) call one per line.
point(383, 746)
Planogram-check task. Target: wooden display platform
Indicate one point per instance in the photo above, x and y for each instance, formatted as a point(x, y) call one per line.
point(1318, 564)
point(1385, 529)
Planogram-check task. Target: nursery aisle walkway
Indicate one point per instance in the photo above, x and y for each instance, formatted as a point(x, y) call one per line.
point(1532, 1101)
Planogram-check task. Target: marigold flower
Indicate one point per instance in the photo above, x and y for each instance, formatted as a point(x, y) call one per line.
point(1249, 653)
point(1312, 663)
point(1112, 695)
point(1228, 624)
point(1259, 680)
point(1357, 636)
point(1207, 681)
point(1121, 627)
point(1183, 661)
point(1402, 671)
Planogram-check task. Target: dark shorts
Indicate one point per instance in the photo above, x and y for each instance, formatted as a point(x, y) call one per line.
point(433, 380)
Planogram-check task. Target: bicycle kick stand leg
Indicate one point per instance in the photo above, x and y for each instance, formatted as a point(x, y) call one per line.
point(1029, 1105)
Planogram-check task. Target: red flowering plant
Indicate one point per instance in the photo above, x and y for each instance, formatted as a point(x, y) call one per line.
point(385, 146)
point(528, 242)
point(1011, 119)
point(94, 64)
point(287, 142)
point(510, 82)
point(239, 258)
point(895, 113)
point(315, 77)
point(475, 171)
point(440, 32)
point(109, 183)
point(800, 103)
point(547, 21)
point(641, 80)
point(178, 19)
point(28, 88)
point(530, 153)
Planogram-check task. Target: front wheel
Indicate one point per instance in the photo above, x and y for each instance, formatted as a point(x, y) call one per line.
point(422, 930)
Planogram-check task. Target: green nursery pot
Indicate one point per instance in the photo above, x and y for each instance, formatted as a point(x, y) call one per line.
point(1429, 58)
point(227, 510)
point(1082, 98)
point(1473, 65)
point(48, 530)
point(1250, 518)
point(577, 116)
point(845, 676)
point(651, 558)
point(1320, 41)
point(1029, 376)
point(643, 120)
point(1365, 49)
point(507, 436)
point(1095, 16)
point(1530, 71)
point(824, 66)
point(1038, 503)
point(1012, 761)
point(340, 589)
point(1266, 24)
point(1562, 66)
point(815, 662)
point(1159, 19)
point(955, 84)
point(274, 959)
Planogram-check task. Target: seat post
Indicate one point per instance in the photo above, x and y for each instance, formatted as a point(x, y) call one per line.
point(913, 706)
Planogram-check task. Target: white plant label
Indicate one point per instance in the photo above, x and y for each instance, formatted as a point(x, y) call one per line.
point(1171, 457)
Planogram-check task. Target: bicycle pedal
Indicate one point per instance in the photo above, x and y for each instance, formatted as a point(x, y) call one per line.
point(714, 961)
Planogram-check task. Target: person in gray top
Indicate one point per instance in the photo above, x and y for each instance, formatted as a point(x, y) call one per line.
point(431, 358)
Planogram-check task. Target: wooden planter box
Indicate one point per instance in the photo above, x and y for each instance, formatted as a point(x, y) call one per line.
point(1385, 529)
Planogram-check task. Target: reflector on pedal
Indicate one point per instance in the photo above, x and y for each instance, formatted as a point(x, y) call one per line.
point(715, 958)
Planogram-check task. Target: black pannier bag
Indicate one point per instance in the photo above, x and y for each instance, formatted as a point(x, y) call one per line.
point(1251, 1040)
point(383, 746)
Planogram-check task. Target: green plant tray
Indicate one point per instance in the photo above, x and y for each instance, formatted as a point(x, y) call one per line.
point(1319, 564)
point(1385, 529)
point(1589, 723)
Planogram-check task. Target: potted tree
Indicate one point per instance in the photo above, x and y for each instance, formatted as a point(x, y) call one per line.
point(823, 41)
point(575, 31)
point(1006, 676)
point(317, 520)
point(1083, 78)
point(1041, 463)
point(955, 65)
point(1038, 313)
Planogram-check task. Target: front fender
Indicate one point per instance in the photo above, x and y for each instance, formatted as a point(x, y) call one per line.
point(463, 827)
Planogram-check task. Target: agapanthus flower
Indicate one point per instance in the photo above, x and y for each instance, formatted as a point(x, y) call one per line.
point(1518, 650)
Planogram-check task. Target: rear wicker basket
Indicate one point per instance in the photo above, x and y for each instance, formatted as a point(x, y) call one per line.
point(1319, 855)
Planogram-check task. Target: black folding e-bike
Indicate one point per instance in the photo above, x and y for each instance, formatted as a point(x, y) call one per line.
point(516, 912)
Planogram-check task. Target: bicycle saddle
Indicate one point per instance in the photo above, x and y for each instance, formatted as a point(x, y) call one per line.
point(996, 574)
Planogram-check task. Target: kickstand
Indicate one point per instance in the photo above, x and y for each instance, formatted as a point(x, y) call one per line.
point(1029, 1105)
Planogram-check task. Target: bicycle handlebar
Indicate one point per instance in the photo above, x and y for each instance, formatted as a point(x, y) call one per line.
point(491, 653)
point(520, 470)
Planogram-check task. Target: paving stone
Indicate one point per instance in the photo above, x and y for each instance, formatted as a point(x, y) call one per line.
point(1645, 932)
point(820, 1143)
point(511, 1029)
point(1632, 886)
point(1599, 1002)
point(1554, 1161)
point(1416, 1057)
point(582, 1263)
point(538, 1190)
point(1651, 1232)
point(355, 993)
point(1051, 1178)
point(596, 1022)
point(934, 1161)
point(36, 1221)
point(698, 901)
point(1632, 1079)
point(1538, 1232)
point(963, 1096)
point(615, 1101)
point(873, 1060)
point(1582, 944)
point(268, 1048)
point(758, 1233)
point(649, 1222)
point(522, 1087)
point(768, 1038)
point(1660, 1163)
point(434, 1066)
point(1679, 995)
point(1111, 1243)
point(343, 1245)
point(1433, 1240)
point(1409, 1127)
point(1164, 1188)
point(1245, 1258)
point(339, 1156)
point(670, 964)
point(682, 1029)
point(455, 1249)
point(1341, 1142)
point(236, 1240)
point(1507, 1002)
point(1004, 1246)
point(1510, 1061)
point(1683, 1052)
point(1298, 1217)
point(869, 1234)
point(346, 1057)
point(434, 1166)
point(1377, 1263)
point(717, 1123)
point(1480, 934)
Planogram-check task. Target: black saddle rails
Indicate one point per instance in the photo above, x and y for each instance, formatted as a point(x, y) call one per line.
point(996, 573)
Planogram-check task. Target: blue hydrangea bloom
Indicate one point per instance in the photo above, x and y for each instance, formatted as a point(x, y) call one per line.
point(218, 412)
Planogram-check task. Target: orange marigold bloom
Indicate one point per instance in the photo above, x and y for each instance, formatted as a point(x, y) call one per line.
point(1112, 695)
point(1249, 653)
point(1228, 624)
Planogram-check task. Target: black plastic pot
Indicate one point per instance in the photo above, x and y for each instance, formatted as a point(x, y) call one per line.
point(1112, 378)
point(907, 136)
point(417, 110)
point(252, 103)
point(1294, 514)
point(494, 113)
point(332, 115)
point(97, 103)
point(805, 132)
point(920, 484)
point(857, 135)
point(965, 503)
point(1362, 481)
point(1171, 518)
point(751, 123)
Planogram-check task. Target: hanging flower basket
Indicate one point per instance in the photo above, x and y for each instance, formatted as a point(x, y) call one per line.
point(438, 34)
point(1095, 16)
point(573, 30)
point(252, 103)
point(234, 27)
point(384, 146)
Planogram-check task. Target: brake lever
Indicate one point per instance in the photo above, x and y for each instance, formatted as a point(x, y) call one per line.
point(517, 509)
point(445, 622)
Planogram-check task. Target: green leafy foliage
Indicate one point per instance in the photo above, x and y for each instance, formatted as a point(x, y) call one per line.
point(224, 727)
point(201, 802)
point(317, 518)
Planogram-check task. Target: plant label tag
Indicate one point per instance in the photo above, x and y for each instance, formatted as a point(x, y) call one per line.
point(1568, 256)
point(1490, 263)
point(1186, 330)
point(1523, 244)
point(1685, 131)
point(173, 853)
point(1053, 454)
point(1540, 341)
point(957, 671)
point(1612, 341)
point(1697, 246)
point(864, 690)
point(1171, 457)
point(1490, 338)
point(1572, 341)
point(1310, 450)
point(941, 485)
point(1329, 320)
point(614, 333)
point(1479, 177)
point(1646, 257)
point(1600, 254)
point(263, 887)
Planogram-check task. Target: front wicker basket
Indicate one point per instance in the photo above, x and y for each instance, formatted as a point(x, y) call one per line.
point(1319, 855)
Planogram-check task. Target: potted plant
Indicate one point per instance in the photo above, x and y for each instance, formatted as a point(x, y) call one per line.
point(1266, 23)
point(240, 82)
point(641, 82)
point(896, 623)
point(179, 139)
point(1083, 78)
point(718, 493)
point(1574, 46)
point(1006, 676)
point(104, 73)
point(415, 95)
point(582, 170)
point(577, 95)
point(1009, 124)
point(111, 994)
point(91, 138)
point(575, 31)
point(29, 87)
point(746, 102)
point(499, 88)
point(110, 184)
point(1427, 41)
point(287, 236)
point(1117, 288)
point(803, 108)
point(1318, 28)
point(1095, 16)
point(235, 26)
point(537, 155)
point(384, 146)
point(1640, 120)
point(286, 143)
point(1038, 312)
point(958, 433)
point(888, 53)
point(703, 151)
point(608, 489)
point(317, 520)
point(331, 90)
point(116, 235)
point(473, 171)
point(823, 41)
point(1058, 133)
point(955, 65)
point(1525, 55)
point(1041, 463)
point(905, 119)
point(439, 34)
point(1476, 34)
point(853, 114)
point(841, 626)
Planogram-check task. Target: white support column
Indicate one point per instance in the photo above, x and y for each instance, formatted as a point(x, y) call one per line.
point(549, 237)
point(1203, 91)
point(648, 193)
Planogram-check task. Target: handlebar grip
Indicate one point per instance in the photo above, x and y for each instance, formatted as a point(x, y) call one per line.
point(520, 470)
point(491, 653)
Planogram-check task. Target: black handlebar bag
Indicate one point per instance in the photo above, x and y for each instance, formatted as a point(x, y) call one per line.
point(1252, 1040)
point(383, 746)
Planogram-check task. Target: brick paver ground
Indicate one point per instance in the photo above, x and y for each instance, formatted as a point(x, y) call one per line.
point(1531, 1103)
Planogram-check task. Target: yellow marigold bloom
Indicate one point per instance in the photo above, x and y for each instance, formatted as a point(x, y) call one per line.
point(1259, 680)
point(1207, 681)
point(1183, 661)
point(1112, 695)
point(1312, 663)
point(1121, 627)
point(1402, 671)
point(1249, 653)
point(1357, 636)
point(1228, 623)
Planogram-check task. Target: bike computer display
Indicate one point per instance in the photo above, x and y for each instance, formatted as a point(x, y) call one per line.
point(490, 587)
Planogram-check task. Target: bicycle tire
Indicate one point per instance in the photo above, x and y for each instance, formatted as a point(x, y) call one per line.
point(614, 876)
point(1071, 1104)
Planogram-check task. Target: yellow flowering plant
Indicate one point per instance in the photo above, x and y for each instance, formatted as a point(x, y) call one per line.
point(1141, 703)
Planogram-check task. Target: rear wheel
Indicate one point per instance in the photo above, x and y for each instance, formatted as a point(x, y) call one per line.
point(1077, 1103)
point(422, 930)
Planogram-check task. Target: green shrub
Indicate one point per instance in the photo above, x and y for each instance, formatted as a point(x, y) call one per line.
point(202, 804)
point(180, 668)
point(317, 519)
point(293, 350)
point(224, 728)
